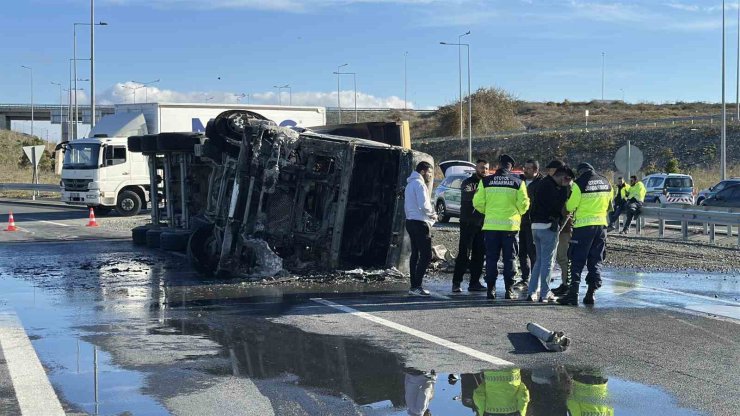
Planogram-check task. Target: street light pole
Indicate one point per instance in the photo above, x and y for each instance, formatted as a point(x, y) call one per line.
point(459, 69)
point(737, 72)
point(723, 150)
point(354, 81)
point(470, 104)
point(74, 58)
point(339, 102)
point(32, 117)
point(145, 85)
point(61, 108)
point(92, 63)
point(405, 79)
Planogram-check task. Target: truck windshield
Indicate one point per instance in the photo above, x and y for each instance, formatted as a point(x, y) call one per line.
point(82, 156)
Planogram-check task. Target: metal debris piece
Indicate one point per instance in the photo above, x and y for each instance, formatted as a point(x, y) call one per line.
point(552, 340)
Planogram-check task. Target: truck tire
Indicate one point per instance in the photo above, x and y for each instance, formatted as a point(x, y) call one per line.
point(174, 240)
point(138, 234)
point(134, 144)
point(152, 237)
point(213, 150)
point(149, 144)
point(178, 142)
point(129, 203)
point(200, 250)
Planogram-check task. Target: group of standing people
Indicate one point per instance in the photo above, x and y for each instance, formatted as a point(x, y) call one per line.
point(561, 215)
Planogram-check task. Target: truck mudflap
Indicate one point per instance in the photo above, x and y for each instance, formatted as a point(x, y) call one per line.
point(280, 200)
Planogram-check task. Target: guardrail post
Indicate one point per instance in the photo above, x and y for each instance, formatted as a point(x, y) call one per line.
point(712, 233)
point(729, 230)
point(685, 229)
point(706, 228)
point(661, 228)
point(639, 224)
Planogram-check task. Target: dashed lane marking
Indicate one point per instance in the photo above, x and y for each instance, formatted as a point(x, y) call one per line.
point(33, 390)
point(419, 334)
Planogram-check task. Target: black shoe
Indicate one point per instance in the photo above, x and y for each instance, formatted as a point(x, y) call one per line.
point(456, 289)
point(560, 290)
point(569, 300)
point(589, 299)
point(477, 288)
point(509, 294)
point(490, 295)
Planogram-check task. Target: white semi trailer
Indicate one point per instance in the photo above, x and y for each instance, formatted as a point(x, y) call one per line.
point(100, 171)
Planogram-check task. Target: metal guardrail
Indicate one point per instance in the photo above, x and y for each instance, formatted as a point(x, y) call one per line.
point(30, 187)
point(691, 215)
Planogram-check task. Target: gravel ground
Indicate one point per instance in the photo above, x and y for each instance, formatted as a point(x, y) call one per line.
point(122, 225)
point(643, 253)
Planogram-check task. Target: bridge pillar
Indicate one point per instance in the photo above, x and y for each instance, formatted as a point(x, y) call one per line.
point(4, 122)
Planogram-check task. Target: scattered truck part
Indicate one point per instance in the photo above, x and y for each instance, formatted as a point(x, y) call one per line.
point(555, 341)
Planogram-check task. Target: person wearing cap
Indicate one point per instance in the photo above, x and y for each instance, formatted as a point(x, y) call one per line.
point(502, 198)
point(590, 203)
point(471, 248)
point(527, 251)
point(635, 199)
point(546, 211)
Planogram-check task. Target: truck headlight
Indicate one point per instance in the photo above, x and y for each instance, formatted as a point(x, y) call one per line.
point(93, 185)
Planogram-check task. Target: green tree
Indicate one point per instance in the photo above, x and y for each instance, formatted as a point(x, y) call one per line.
point(672, 166)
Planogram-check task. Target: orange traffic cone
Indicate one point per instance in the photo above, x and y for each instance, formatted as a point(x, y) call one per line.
point(11, 223)
point(92, 222)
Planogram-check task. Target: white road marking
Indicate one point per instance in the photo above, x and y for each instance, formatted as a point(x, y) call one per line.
point(674, 292)
point(49, 222)
point(419, 334)
point(33, 390)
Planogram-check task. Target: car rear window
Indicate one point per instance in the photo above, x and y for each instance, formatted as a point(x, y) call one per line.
point(456, 182)
point(678, 183)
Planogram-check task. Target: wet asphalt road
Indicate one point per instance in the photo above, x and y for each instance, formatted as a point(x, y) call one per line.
point(169, 342)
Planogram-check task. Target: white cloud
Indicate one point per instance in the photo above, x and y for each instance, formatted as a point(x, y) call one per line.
point(123, 93)
point(296, 6)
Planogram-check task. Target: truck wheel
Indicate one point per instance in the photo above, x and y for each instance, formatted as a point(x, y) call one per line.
point(213, 150)
point(128, 204)
point(198, 221)
point(152, 237)
point(134, 144)
point(149, 143)
point(138, 234)
point(202, 250)
point(174, 240)
point(178, 142)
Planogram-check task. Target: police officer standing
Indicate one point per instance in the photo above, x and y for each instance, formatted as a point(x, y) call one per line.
point(590, 201)
point(471, 248)
point(502, 198)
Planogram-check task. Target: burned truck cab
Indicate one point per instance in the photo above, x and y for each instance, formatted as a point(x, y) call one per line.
point(298, 200)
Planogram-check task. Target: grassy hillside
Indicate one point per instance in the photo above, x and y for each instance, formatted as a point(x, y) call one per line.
point(696, 149)
point(15, 167)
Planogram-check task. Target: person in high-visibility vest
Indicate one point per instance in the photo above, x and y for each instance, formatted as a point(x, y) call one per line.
point(635, 199)
point(590, 202)
point(589, 394)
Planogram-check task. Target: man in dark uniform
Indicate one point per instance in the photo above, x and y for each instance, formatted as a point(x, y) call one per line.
point(471, 248)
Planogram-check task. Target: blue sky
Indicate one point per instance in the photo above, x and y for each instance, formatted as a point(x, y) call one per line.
point(539, 50)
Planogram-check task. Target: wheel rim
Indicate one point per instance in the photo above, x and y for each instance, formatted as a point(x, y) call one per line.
point(440, 210)
point(127, 204)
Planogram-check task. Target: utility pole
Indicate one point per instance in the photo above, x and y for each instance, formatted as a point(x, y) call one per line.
point(723, 145)
point(92, 64)
point(470, 114)
point(339, 101)
point(737, 72)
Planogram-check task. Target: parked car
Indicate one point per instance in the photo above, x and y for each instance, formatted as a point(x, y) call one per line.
point(447, 194)
point(729, 197)
point(712, 190)
point(669, 188)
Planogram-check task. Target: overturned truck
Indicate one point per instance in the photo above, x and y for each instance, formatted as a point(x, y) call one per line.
point(251, 198)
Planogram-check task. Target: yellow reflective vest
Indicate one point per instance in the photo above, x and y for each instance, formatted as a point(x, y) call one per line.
point(502, 392)
point(590, 200)
point(637, 191)
point(589, 400)
point(623, 191)
point(502, 198)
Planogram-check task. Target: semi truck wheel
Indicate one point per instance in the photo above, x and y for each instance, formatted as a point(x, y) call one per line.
point(152, 237)
point(178, 142)
point(202, 250)
point(134, 144)
point(138, 234)
point(174, 240)
point(128, 204)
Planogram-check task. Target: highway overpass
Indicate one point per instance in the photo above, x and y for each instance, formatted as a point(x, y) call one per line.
point(49, 112)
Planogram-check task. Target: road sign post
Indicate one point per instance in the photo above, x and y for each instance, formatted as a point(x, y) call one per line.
point(34, 154)
point(628, 159)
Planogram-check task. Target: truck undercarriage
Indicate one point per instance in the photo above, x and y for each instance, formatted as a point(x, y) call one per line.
point(261, 198)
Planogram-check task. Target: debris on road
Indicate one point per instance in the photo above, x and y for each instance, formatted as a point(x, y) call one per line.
point(555, 341)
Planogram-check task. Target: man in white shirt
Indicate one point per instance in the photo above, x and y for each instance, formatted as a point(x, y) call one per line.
point(420, 217)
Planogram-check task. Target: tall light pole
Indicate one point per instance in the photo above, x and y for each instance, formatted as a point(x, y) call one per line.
point(603, 60)
point(354, 81)
point(723, 145)
point(339, 102)
point(134, 88)
point(61, 107)
point(737, 72)
point(145, 85)
point(280, 93)
point(470, 104)
point(405, 79)
point(74, 72)
point(30, 69)
point(92, 63)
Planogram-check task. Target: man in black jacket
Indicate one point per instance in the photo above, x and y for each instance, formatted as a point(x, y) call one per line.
point(527, 254)
point(471, 248)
